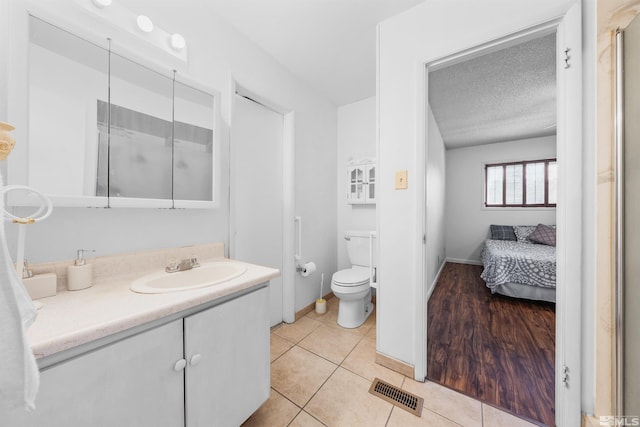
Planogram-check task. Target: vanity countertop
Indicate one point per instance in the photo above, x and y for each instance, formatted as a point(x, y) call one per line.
point(74, 318)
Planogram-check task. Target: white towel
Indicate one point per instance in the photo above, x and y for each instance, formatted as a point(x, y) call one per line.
point(19, 376)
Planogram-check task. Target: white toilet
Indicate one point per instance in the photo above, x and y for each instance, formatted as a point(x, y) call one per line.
point(351, 286)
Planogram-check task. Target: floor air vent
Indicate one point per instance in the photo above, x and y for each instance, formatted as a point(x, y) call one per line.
point(396, 396)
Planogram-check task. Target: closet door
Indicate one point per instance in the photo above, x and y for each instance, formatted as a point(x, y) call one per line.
point(257, 192)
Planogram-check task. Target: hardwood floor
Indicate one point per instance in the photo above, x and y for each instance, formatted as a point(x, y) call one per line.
point(497, 349)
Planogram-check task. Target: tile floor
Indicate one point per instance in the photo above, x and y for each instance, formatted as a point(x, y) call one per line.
point(321, 373)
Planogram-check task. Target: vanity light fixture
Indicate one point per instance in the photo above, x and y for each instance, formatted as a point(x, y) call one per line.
point(101, 4)
point(144, 23)
point(177, 42)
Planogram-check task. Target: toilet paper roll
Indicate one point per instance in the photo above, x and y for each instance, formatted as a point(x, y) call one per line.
point(308, 268)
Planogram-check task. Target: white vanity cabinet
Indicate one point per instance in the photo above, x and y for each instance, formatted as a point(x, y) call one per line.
point(361, 183)
point(204, 368)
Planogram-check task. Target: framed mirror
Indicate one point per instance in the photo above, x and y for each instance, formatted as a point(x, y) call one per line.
point(105, 130)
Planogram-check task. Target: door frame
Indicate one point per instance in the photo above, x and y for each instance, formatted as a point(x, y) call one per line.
point(569, 261)
point(288, 192)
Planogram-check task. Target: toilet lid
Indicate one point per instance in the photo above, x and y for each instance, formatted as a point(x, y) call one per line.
point(351, 277)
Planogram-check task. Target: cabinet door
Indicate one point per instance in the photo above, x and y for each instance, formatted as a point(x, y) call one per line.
point(355, 181)
point(129, 383)
point(227, 351)
point(371, 184)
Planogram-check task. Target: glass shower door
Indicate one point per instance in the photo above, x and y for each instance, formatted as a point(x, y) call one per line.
point(628, 217)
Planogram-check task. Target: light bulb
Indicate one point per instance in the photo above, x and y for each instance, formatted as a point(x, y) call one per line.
point(101, 3)
point(178, 42)
point(144, 23)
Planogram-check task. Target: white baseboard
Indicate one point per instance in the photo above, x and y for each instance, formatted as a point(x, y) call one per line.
point(435, 280)
point(464, 261)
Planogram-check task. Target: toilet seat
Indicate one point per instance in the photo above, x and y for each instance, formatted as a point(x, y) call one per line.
point(351, 277)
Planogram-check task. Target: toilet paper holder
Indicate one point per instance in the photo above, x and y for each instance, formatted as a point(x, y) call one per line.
point(306, 269)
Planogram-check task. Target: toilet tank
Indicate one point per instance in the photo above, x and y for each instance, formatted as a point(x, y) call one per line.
point(358, 247)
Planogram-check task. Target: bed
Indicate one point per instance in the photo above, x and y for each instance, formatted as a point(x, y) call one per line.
point(520, 269)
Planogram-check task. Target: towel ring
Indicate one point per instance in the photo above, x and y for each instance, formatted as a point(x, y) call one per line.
point(43, 211)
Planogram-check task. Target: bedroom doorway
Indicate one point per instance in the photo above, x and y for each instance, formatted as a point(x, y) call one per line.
point(490, 113)
point(557, 137)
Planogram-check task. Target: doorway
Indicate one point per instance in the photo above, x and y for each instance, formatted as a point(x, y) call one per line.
point(568, 211)
point(262, 194)
point(491, 113)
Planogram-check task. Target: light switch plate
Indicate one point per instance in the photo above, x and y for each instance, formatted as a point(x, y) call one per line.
point(401, 180)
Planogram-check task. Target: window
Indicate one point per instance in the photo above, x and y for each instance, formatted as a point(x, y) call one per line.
point(522, 184)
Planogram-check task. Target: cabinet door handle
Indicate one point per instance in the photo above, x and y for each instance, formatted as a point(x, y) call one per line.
point(195, 359)
point(180, 365)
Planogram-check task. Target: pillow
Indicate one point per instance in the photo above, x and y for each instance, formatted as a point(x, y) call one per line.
point(502, 232)
point(544, 234)
point(522, 232)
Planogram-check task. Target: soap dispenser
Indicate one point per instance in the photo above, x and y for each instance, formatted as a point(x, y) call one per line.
point(79, 275)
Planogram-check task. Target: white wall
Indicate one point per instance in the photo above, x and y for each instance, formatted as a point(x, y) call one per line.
point(468, 220)
point(405, 42)
point(356, 140)
point(217, 54)
point(4, 53)
point(436, 201)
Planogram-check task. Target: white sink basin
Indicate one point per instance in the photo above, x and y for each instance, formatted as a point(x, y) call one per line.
point(208, 274)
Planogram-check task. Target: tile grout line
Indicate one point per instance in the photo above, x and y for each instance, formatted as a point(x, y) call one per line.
point(300, 340)
point(321, 385)
point(295, 416)
point(362, 336)
point(301, 411)
point(360, 375)
point(305, 404)
point(332, 373)
point(282, 354)
point(296, 405)
point(475, 399)
point(318, 355)
point(438, 413)
point(389, 416)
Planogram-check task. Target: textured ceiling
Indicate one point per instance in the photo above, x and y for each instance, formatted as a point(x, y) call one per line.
point(502, 96)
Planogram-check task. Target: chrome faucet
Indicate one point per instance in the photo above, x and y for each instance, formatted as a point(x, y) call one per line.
point(185, 264)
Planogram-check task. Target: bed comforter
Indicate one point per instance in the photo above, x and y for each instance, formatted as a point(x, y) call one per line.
point(507, 261)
